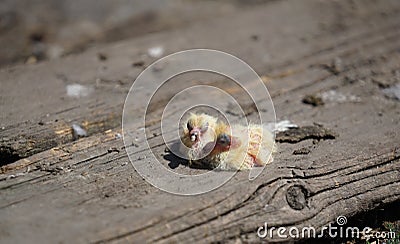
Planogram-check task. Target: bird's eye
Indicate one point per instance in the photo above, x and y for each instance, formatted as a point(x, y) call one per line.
point(189, 125)
point(224, 140)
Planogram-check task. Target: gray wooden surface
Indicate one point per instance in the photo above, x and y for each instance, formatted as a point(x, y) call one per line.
point(86, 190)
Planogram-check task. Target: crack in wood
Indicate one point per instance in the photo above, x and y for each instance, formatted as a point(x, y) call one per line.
point(241, 205)
point(115, 238)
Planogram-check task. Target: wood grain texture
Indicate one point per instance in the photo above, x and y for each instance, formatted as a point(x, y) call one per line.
point(86, 190)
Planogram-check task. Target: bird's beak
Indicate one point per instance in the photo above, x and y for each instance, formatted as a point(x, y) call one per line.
point(194, 134)
point(235, 142)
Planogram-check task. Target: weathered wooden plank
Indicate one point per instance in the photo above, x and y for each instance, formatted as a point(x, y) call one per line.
point(25, 133)
point(86, 190)
point(332, 180)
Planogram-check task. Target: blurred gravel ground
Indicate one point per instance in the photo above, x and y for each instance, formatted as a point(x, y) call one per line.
point(35, 30)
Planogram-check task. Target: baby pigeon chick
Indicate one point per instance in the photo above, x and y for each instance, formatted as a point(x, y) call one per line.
point(251, 145)
point(198, 130)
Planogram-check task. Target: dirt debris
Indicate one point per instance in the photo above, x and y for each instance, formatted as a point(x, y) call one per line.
point(102, 56)
point(301, 151)
point(139, 63)
point(382, 83)
point(313, 100)
point(295, 135)
point(335, 67)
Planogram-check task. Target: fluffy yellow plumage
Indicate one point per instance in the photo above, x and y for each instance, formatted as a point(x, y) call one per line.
point(241, 147)
point(213, 144)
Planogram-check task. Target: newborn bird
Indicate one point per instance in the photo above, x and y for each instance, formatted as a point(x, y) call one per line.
point(250, 146)
point(198, 130)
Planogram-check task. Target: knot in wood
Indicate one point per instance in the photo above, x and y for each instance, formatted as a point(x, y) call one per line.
point(296, 197)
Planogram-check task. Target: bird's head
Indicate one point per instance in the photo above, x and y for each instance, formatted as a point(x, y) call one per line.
point(196, 130)
point(197, 125)
point(224, 143)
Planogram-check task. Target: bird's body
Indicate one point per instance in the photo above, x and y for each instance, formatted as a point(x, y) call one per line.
point(210, 143)
point(241, 147)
